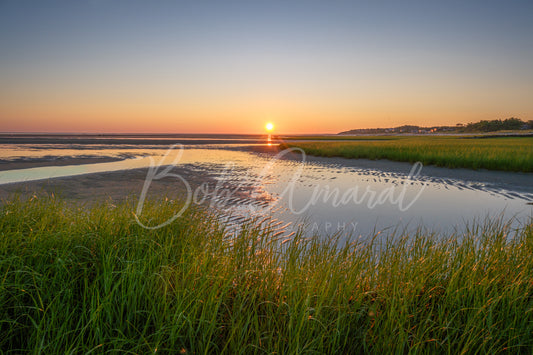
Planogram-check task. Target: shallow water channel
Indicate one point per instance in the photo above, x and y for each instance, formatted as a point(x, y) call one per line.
point(327, 196)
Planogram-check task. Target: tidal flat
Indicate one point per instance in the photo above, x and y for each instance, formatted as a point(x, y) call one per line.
point(239, 272)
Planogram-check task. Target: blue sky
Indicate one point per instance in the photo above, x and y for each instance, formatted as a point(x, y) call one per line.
point(226, 66)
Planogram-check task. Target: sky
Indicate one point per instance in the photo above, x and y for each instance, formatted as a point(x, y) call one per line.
point(107, 66)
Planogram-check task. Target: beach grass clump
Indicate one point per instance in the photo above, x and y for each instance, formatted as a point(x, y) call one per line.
point(496, 153)
point(92, 280)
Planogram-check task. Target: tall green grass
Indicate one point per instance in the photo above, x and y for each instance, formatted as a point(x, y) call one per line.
point(90, 280)
point(502, 153)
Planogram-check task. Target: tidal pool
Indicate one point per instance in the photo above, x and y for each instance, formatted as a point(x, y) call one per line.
point(327, 196)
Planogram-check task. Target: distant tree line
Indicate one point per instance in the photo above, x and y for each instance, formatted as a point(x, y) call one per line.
point(509, 124)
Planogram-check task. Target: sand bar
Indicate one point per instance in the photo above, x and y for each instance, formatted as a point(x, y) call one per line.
point(119, 185)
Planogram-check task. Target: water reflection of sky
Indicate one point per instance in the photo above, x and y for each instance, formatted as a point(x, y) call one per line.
point(438, 205)
point(27, 152)
point(330, 198)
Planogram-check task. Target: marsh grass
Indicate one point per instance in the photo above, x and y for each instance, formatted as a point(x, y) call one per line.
point(91, 280)
point(501, 153)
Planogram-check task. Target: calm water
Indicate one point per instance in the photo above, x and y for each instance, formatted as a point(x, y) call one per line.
point(328, 196)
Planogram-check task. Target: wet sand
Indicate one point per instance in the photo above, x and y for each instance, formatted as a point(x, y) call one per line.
point(110, 186)
point(500, 179)
point(515, 181)
point(119, 185)
point(60, 161)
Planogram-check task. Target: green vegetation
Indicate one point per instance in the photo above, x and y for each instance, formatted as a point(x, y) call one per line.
point(338, 138)
point(91, 280)
point(509, 124)
point(493, 153)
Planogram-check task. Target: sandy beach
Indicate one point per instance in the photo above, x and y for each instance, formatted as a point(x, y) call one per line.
point(111, 186)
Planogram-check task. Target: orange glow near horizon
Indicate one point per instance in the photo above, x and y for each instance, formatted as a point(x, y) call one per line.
point(86, 110)
point(269, 126)
point(213, 68)
point(139, 118)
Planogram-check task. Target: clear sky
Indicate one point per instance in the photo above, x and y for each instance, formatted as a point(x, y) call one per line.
point(231, 66)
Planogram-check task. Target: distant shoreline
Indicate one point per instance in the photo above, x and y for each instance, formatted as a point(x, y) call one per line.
point(130, 139)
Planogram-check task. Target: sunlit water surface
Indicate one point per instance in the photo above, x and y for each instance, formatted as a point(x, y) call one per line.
point(326, 198)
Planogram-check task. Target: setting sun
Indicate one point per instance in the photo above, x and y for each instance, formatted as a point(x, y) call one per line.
point(269, 126)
